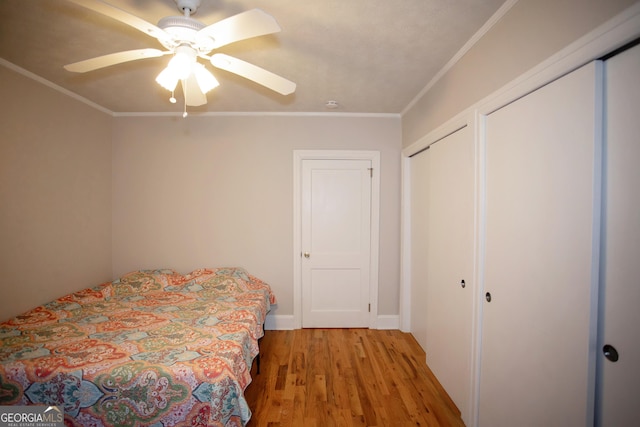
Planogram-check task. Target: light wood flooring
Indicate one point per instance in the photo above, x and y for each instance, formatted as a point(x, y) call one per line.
point(346, 377)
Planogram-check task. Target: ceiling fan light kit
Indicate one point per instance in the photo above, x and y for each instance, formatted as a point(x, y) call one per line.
point(182, 62)
point(187, 39)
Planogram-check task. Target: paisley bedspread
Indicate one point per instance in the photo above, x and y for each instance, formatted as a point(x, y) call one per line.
point(153, 348)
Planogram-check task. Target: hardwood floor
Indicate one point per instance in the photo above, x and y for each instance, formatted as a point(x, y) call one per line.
point(346, 377)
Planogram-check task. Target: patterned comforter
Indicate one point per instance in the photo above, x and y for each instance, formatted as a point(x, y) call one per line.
point(153, 348)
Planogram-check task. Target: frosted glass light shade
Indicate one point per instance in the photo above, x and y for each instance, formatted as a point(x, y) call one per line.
point(205, 79)
point(182, 63)
point(167, 79)
point(179, 68)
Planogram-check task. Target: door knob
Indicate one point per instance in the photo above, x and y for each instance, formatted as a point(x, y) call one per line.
point(610, 353)
point(488, 296)
point(307, 255)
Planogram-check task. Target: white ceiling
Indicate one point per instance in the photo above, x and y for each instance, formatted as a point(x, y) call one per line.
point(371, 56)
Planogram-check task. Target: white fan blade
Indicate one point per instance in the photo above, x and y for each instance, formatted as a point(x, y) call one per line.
point(122, 16)
point(113, 59)
point(193, 95)
point(245, 25)
point(254, 73)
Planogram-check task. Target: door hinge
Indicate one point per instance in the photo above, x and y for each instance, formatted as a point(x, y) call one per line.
point(370, 172)
point(369, 308)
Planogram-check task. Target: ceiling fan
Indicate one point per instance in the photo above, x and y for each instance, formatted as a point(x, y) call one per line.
point(187, 40)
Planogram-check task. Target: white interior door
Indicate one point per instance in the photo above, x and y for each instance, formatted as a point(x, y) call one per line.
point(620, 317)
point(537, 339)
point(336, 243)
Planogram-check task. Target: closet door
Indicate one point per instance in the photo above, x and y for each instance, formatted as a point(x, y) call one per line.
point(444, 249)
point(449, 299)
point(420, 167)
point(539, 269)
point(620, 317)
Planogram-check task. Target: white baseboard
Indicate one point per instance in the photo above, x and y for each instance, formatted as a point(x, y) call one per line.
point(388, 321)
point(279, 322)
point(283, 322)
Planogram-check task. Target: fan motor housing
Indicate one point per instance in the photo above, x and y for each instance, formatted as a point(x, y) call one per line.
point(170, 22)
point(183, 30)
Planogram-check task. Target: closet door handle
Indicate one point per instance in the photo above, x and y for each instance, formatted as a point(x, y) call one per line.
point(610, 353)
point(488, 296)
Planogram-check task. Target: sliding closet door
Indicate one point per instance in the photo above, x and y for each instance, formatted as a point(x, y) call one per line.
point(449, 298)
point(442, 189)
point(420, 166)
point(537, 348)
point(620, 318)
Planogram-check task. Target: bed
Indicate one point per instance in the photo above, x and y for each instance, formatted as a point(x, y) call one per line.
point(153, 348)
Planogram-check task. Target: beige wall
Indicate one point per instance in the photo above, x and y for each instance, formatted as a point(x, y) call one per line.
point(55, 195)
point(86, 197)
point(218, 191)
point(528, 34)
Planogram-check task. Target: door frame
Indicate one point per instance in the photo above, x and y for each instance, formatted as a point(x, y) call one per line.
point(298, 157)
